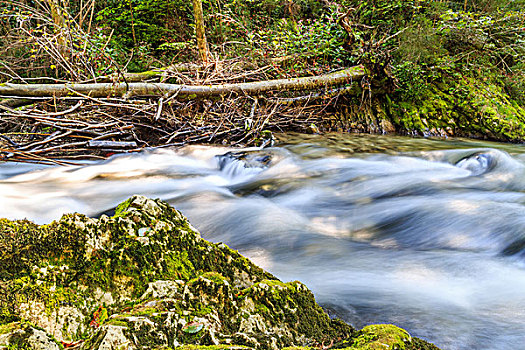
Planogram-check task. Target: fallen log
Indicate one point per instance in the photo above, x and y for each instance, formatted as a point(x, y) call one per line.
point(350, 76)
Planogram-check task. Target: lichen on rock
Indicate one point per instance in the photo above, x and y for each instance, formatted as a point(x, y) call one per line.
point(144, 278)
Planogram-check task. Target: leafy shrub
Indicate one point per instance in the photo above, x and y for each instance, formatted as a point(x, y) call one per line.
point(321, 38)
point(164, 28)
point(153, 22)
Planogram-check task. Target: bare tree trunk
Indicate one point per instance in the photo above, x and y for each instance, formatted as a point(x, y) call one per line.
point(57, 14)
point(202, 45)
point(351, 75)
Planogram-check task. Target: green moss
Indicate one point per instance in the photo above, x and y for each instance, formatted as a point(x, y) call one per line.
point(19, 341)
point(147, 311)
point(122, 208)
point(28, 289)
point(461, 107)
point(103, 266)
point(216, 277)
point(379, 337)
point(9, 327)
point(201, 310)
point(117, 322)
point(178, 266)
point(20, 335)
point(294, 305)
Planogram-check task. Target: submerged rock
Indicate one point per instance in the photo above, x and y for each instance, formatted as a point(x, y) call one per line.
point(144, 278)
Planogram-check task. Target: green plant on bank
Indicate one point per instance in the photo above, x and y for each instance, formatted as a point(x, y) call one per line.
point(411, 48)
point(262, 29)
point(255, 15)
point(151, 29)
point(318, 41)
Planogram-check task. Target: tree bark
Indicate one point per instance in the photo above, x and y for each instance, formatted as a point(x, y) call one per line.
point(202, 45)
point(351, 75)
point(57, 14)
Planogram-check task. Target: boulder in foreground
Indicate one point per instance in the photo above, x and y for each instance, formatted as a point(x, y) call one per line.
point(144, 278)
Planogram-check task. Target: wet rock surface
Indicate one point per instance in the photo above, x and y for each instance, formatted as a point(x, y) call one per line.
point(144, 278)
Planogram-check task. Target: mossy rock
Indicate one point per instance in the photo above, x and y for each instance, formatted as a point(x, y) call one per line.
point(144, 278)
point(379, 337)
point(462, 106)
point(21, 335)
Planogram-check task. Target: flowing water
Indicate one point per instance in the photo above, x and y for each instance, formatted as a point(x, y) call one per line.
point(425, 234)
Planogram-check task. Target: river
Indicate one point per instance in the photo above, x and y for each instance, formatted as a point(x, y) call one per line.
point(426, 234)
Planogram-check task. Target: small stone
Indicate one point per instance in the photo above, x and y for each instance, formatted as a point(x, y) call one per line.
point(192, 327)
point(143, 230)
point(151, 303)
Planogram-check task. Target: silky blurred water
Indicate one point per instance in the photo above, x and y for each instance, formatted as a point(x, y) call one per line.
point(426, 234)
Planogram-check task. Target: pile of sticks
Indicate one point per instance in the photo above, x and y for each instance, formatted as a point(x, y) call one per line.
point(68, 123)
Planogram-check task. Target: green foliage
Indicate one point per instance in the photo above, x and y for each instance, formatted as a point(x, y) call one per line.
point(257, 13)
point(148, 28)
point(457, 66)
point(461, 105)
point(320, 39)
point(413, 79)
point(411, 46)
point(164, 29)
point(146, 22)
point(376, 337)
point(514, 83)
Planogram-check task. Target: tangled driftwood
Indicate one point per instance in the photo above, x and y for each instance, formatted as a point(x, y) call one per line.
point(59, 123)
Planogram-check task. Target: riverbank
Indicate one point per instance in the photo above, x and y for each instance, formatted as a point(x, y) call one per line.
point(423, 68)
point(144, 277)
point(65, 130)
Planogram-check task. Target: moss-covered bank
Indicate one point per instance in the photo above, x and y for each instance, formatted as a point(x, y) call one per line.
point(459, 107)
point(144, 278)
point(462, 107)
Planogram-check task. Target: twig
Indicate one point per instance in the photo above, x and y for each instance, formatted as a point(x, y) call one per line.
point(159, 109)
point(55, 136)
